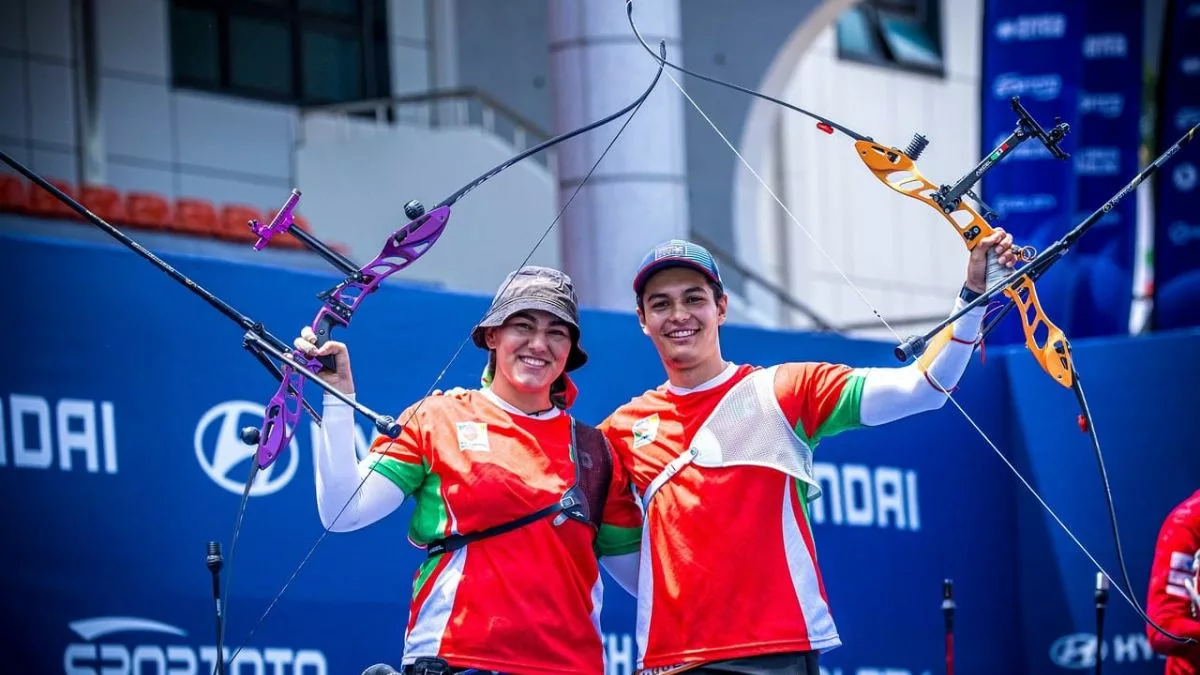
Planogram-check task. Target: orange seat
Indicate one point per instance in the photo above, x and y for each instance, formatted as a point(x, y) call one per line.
point(235, 222)
point(148, 210)
point(103, 201)
point(196, 217)
point(14, 197)
point(46, 205)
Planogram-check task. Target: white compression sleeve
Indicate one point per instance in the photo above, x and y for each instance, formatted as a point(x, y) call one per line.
point(890, 394)
point(339, 475)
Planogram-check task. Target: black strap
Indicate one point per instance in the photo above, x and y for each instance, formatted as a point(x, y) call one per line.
point(432, 665)
point(457, 541)
point(571, 505)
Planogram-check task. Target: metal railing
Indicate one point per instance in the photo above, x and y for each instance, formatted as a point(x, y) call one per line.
point(448, 108)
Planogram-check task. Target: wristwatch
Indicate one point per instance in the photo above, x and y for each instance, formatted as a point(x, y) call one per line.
point(967, 295)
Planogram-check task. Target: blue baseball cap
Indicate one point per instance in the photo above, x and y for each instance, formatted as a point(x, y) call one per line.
point(677, 253)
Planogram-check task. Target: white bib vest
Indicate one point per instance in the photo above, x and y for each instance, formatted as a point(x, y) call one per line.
point(747, 428)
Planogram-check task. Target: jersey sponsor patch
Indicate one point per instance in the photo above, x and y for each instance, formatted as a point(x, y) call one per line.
point(472, 436)
point(1181, 574)
point(645, 430)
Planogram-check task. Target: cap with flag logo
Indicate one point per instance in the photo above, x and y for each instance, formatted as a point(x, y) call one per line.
point(676, 253)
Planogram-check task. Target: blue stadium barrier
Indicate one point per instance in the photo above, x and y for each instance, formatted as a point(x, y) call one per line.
point(118, 463)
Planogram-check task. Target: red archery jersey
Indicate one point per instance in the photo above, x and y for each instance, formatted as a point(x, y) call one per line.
point(728, 559)
point(1169, 603)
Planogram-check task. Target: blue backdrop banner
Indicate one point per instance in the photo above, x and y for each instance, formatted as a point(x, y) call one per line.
point(1031, 49)
point(119, 461)
point(1137, 392)
point(1177, 219)
point(1105, 157)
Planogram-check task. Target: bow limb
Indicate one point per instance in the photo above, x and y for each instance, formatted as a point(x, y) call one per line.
point(825, 124)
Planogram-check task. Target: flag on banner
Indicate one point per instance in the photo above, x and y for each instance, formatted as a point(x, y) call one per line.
point(1177, 187)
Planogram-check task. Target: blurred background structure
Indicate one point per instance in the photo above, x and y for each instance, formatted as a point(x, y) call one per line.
point(213, 106)
point(180, 120)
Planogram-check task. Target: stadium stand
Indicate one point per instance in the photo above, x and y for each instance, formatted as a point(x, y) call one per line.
point(185, 216)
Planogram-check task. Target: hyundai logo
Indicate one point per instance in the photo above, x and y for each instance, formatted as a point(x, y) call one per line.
point(1186, 117)
point(1183, 233)
point(226, 459)
point(1184, 176)
point(1076, 651)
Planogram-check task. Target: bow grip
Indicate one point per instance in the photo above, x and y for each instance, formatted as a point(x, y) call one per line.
point(323, 328)
point(995, 271)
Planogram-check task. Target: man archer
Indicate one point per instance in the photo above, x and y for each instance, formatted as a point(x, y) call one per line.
point(1173, 601)
point(728, 579)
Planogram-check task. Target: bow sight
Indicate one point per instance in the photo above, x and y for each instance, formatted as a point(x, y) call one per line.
point(1027, 127)
point(1037, 264)
point(949, 198)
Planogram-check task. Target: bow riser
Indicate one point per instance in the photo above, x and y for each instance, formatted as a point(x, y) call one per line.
point(1052, 351)
point(898, 171)
point(1045, 341)
point(281, 415)
point(403, 248)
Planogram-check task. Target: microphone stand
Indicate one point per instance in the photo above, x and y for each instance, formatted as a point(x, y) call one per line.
point(215, 562)
point(948, 608)
point(1101, 601)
